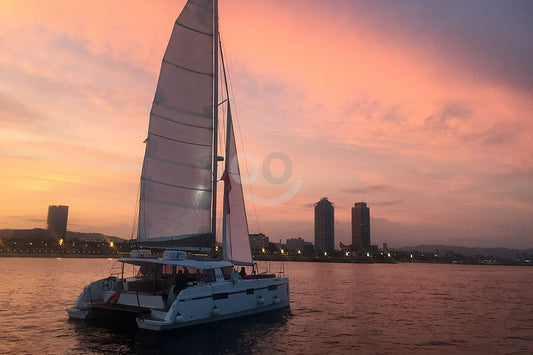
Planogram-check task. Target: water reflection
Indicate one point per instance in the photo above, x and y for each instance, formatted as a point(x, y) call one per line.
point(229, 336)
point(335, 308)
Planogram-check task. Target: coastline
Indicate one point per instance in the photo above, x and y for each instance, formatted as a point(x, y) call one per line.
point(58, 255)
point(283, 258)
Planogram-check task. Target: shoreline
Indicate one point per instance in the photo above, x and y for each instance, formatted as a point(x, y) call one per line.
point(340, 260)
point(56, 255)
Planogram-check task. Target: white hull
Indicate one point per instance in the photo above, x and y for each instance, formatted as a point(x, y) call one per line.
point(200, 306)
point(160, 309)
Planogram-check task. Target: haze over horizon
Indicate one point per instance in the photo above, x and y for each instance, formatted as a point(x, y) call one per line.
point(419, 108)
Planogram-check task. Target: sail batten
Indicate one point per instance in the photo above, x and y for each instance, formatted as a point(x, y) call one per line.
point(180, 141)
point(177, 186)
point(194, 30)
point(182, 205)
point(181, 123)
point(187, 69)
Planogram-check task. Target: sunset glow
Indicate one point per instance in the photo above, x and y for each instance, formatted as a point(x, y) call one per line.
point(421, 109)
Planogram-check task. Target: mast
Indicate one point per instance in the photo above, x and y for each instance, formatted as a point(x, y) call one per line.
point(229, 128)
point(215, 122)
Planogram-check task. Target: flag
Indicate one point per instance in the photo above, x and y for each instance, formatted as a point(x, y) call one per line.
point(227, 188)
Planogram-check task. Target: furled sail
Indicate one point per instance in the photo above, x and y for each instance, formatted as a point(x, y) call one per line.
point(236, 242)
point(175, 197)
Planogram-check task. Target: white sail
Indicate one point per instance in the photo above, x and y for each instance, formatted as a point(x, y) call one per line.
point(175, 198)
point(236, 242)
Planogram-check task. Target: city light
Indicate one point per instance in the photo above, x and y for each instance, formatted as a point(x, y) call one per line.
point(61, 242)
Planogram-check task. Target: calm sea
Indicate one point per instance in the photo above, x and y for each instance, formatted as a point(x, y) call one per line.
point(335, 308)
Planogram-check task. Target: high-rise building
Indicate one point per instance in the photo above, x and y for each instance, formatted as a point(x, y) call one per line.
point(360, 226)
point(324, 226)
point(57, 220)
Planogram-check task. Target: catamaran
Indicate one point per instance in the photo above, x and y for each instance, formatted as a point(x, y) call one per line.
point(178, 201)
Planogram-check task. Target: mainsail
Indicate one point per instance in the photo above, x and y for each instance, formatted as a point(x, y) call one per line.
point(176, 191)
point(235, 234)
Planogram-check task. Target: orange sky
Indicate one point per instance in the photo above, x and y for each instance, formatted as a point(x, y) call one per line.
point(421, 109)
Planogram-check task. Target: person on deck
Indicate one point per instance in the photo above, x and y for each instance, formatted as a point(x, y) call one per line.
point(242, 272)
point(181, 282)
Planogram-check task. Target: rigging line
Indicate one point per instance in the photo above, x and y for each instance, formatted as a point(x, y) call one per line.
point(222, 134)
point(228, 84)
point(222, 125)
point(142, 211)
point(136, 212)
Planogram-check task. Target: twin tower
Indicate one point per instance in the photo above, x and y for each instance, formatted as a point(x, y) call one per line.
point(325, 227)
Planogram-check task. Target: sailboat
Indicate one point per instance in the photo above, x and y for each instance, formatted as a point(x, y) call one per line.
point(186, 285)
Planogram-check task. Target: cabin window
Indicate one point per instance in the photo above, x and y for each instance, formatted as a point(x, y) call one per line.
point(192, 274)
point(167, 270)
point(190, 270)
point(146, 270)
point(209, 275)
point(226, 271)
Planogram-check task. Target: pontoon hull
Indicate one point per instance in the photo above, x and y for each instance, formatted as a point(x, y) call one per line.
point(195, 305)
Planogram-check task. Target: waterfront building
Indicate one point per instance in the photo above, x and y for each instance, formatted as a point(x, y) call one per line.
point(296, 245)
point(258, 242)
point(360, 227)
point(57, 220)
point(324, 226)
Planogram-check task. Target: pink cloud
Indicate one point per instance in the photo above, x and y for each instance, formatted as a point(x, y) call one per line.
point(353, 99)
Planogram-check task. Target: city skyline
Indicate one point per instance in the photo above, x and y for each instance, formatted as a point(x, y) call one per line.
point(413, 106)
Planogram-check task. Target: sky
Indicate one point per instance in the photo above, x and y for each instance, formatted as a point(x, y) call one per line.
point(422, 109)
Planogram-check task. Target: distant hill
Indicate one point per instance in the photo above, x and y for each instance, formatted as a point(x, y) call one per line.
point(469, 251)
point(34, 234)
point(43, 234)
point(92, 237)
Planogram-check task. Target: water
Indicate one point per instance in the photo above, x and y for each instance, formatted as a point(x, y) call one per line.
point(335, 308)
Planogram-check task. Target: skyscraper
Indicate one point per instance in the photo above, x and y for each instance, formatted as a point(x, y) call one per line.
point(324, 226)
point(360, 226)
point(57, 220)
